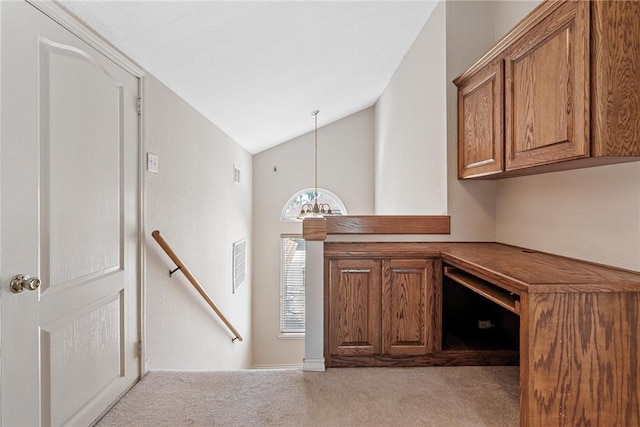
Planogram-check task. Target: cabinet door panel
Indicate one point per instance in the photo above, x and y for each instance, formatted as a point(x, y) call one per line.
point(616, 78)
point(354, 307)
point(480, 123)
point(411, 306)
point(547, 90)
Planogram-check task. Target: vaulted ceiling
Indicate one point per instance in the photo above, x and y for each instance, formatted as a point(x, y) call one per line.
point(257, 69)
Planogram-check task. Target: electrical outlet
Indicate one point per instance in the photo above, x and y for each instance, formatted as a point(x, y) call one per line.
point(485, 324)
point(152, 162)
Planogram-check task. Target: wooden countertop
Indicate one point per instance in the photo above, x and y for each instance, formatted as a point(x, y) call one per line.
point(513, 268)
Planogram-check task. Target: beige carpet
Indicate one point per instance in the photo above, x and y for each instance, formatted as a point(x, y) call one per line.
point(435, 396)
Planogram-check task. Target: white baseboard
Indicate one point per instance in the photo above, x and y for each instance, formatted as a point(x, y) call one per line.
point(296, 366)
point(316, 365)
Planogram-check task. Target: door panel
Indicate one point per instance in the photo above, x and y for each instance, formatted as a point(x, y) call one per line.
point(81, 145)
point(480, 126)
point(411, 295)
point(547, 90)
point(354, 307)
point(72, 348)
point(69, 192)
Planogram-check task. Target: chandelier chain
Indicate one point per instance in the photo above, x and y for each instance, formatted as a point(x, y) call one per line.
point(315, 210)
point(315, 115)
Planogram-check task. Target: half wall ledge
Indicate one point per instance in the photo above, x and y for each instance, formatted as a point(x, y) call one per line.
point(319, 228)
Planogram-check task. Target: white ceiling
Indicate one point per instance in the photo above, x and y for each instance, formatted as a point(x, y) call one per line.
point(257, 69)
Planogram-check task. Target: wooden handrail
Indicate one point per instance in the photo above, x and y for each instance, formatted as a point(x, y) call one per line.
point(180, 266)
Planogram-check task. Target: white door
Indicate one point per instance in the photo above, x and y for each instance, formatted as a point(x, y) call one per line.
point(69, 216)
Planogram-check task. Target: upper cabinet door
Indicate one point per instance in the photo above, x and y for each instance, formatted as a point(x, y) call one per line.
point(547, 90)
point(480, 123)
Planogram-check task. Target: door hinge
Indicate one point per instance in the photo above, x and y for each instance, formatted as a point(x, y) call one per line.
point(139, 106)
point(139, 347)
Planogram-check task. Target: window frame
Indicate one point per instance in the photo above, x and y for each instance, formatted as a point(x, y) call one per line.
point(291, 209)
point(290, 212)
point(287, 328)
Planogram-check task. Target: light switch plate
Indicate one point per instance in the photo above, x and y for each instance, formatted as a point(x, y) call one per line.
point(152, 162)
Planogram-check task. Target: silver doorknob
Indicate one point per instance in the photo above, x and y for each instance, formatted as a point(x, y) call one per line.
point(21, 282)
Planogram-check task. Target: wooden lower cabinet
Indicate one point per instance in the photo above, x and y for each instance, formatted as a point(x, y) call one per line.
point(382, 311)
point(572, 326)
point(354, 298)
point(411, 306)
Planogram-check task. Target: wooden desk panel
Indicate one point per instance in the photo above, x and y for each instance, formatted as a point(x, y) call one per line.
point(579, 328)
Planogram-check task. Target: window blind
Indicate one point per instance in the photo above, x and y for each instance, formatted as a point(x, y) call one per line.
point(292, 303)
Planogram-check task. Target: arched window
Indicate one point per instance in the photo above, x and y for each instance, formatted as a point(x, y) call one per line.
point(292, 260)
point(292, 208)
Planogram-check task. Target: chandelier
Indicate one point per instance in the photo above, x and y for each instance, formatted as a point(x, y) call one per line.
point(315, 210)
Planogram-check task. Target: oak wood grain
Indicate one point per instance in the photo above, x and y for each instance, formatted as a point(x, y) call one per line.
point(384, 249)
point(615, 69)
point(521, 269)
point(354, 301)
point(480, 122)
point(597, 73)
point(411, 301)
point(561, 166)
point(314, 229)
point(493, 293)
point(513, 268)
point(547, 90)
point(441, 358)
point(579, 327)
point(524, 26)
point(583, 359)
point(525, 362)
point(388, 224)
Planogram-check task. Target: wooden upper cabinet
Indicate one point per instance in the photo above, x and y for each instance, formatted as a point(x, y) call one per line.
point(354, 301)
point(615, 78)
point(411, 306)
point(480, 125)
point(547, 90)
point(568, 96)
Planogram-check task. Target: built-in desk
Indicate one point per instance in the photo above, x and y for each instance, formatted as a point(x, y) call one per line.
point(578, 331)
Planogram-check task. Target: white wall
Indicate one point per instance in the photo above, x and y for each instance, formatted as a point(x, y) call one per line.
point(506, 14)
point(410, 154)
point(345, 167)
point(470, 34)
point(591, 214)
point(201, 212)
point(1, 275)
point(416, 126)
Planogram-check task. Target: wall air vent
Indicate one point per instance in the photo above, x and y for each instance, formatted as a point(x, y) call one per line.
point(239, 263)
point(236, 174)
